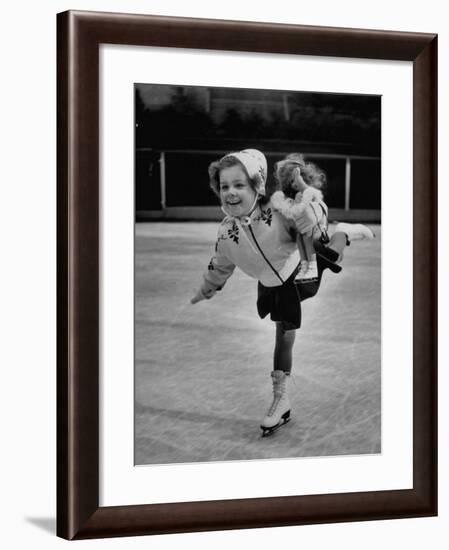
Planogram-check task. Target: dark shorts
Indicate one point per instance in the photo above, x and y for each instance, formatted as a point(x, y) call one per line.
point(283, 302)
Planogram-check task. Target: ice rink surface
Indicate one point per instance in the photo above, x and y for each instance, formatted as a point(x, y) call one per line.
point(202, 372)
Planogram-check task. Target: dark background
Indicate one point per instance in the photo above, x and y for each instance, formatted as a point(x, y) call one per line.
point(181, 129)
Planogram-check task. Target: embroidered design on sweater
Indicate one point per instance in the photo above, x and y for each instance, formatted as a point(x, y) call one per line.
point(233, 233)
point(266, 216)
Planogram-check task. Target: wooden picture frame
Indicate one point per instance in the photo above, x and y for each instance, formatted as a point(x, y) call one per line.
point(79, 37)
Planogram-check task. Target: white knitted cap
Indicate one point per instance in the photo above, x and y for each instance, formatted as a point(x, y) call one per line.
point(255, 164)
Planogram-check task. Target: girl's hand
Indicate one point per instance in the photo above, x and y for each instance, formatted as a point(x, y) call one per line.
point(198, 297)
point(201, 295)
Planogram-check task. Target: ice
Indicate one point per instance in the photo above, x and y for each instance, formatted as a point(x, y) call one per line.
point(202, 372)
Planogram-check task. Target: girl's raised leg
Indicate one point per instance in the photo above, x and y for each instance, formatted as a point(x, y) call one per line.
point(347, 232)
point(339, 241)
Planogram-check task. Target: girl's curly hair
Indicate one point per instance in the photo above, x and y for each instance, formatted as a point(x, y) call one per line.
point(310, 172)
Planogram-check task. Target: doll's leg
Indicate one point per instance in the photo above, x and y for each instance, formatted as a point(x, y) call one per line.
point(282, 359)
point(310, 249)
point(302, 248)
point(308, 269)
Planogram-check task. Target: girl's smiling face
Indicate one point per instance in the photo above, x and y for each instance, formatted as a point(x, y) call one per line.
point(236, 192)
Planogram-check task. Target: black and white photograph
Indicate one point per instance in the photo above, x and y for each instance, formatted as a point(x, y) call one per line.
point(220, 266)
point(257, 269)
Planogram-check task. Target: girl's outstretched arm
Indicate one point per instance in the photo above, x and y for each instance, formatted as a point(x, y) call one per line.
point(219, 270)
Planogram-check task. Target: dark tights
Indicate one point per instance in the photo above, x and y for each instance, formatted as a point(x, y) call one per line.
point(282, 359)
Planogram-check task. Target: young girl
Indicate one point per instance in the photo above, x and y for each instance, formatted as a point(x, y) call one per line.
point(262, 243)
point(300, 184)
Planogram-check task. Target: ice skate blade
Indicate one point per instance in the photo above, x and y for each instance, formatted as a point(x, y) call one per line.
point(269, 431)
point(306, 281)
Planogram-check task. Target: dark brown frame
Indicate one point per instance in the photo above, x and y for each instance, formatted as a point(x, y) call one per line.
point(78, 512)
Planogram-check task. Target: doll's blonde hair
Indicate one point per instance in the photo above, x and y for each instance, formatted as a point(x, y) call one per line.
point(310, 172)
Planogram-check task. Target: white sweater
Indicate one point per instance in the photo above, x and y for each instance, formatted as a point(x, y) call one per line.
point(265, 249)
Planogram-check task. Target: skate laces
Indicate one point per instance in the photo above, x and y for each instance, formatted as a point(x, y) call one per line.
point(274, 405)
point(292, 378)
point(278, 395)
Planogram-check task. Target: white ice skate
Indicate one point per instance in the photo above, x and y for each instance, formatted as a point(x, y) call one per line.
point(308, 272)
point(355, 231)
point(279, 412)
